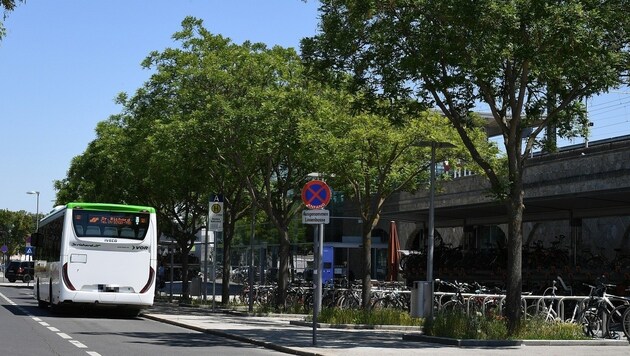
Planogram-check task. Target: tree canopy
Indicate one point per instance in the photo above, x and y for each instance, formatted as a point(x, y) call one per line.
point(214, 117)
point(528, 62)
point(372, 156)
point(8, 5)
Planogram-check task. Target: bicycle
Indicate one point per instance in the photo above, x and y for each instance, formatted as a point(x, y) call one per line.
point(547, 312)
point(391, 297)
point(603, 313)
point(350, 297)
point(625, 321)
point(457, 302)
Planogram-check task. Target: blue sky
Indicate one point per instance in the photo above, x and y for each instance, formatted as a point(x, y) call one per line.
point(63, 62)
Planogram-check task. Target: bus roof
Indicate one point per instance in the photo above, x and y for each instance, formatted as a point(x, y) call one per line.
point(111, 207)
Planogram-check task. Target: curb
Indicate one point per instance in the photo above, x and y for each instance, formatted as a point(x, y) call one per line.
point(507, 343)
point(357, 326)
point(265, 344)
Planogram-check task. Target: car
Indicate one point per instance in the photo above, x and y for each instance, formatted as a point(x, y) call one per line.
point(22, 270)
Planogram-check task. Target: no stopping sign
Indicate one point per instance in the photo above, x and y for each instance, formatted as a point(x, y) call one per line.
point(316, 194)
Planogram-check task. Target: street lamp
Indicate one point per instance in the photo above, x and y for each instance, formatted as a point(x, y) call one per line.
point(434, 145)
point(37, 211)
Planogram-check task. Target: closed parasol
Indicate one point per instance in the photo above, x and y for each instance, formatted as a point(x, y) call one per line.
point(393, 253)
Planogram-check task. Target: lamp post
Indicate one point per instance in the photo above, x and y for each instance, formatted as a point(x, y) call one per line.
point(434, 145)
point(37, 211)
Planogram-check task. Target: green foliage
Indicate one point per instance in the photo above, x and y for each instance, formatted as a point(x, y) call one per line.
point(367, 317)
point(458, 325)
point(15, 226)
point(8, 5)
point(540, 329)
point(461, 326)
point(528, 62)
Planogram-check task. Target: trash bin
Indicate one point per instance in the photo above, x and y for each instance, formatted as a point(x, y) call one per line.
point(195, 287)
point(421, 301)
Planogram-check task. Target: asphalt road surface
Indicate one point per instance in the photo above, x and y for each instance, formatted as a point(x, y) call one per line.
point(26, 329)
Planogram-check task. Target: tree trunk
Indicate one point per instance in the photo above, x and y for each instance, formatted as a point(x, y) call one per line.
point(228, 236)
point(227, 268)
point(185, 289)
point(514, 281)
point(366, 289)
point(283, 269)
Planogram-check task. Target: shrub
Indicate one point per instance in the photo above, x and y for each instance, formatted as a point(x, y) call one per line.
point(458, 325)
point(384, 316)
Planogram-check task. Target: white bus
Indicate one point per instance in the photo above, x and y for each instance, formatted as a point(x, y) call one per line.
point(96, 254)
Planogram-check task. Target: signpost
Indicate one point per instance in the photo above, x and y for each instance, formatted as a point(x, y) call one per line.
point(215, 224)
point(316, 195)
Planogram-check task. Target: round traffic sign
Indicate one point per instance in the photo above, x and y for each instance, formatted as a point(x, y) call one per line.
point(216, 208)
point(316, 194)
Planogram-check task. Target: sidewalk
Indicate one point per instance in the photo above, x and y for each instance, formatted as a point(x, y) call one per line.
point(288, 334)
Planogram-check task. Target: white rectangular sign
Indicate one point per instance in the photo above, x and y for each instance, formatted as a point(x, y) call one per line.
point(215, 214)
point(315, 216)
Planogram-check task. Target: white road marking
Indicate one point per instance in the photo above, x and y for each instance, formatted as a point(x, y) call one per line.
point(78, 344)
point(65, 336)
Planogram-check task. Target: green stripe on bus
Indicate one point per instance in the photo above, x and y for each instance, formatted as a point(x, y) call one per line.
point(111, 207)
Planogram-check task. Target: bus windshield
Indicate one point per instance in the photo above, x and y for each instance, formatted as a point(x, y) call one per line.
point(108, 224)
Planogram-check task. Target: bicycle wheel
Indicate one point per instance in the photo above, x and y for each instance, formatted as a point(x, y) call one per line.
point(381, 303)
point(591, 323)
point(625, 323)
point(614, 322)
point(453, 306)
point(537, 311)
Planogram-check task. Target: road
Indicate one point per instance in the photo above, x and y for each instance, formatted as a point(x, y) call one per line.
point(26, 329)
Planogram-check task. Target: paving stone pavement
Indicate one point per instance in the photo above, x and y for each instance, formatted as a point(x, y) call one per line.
point(288, 333)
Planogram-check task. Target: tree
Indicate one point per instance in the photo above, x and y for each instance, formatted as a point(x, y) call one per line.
point(529, 62)
point(374, 157)
point(250, 98)
point(8, 5)
point(214, 117)
point(271, 158)
point(15, 226)
point(101, 172)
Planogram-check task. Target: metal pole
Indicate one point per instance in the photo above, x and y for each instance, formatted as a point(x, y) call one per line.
point(37, 214)
point(251, 261)
point(170, 298)
point(37, 211)
point(205, 254)
point(217, 235)
point(317, 281)
point(431, 228)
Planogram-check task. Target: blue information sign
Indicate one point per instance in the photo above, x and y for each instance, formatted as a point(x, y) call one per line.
point(29, 250)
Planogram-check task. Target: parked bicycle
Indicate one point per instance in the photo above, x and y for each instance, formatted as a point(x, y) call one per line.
point(603, 313)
